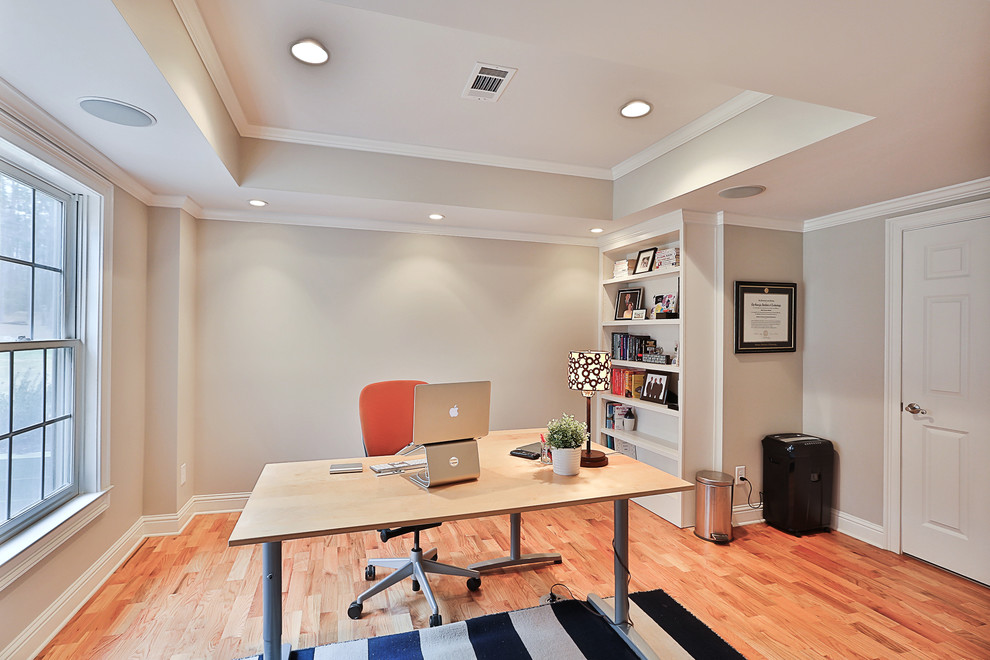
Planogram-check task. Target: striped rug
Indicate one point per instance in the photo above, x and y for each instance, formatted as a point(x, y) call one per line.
point(565, 630)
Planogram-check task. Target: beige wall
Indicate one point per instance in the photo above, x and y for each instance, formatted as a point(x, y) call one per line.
point(293, 321)
point(761, 393)
point(844, 358)
point(28, 597)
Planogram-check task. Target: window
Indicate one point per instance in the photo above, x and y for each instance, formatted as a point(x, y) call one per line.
point(39, 345)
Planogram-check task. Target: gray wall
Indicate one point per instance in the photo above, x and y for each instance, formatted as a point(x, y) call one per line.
point(761, 393)
point(844, 358)
point(293, 321)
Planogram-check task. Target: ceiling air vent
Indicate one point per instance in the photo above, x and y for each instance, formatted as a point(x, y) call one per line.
point(487, 82)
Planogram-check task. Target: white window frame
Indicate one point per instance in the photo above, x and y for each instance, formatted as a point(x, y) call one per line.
point(71, 340)
point(26, 148)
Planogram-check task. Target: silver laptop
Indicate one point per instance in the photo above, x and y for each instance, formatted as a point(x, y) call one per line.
point(447, 420)
point(451, 411)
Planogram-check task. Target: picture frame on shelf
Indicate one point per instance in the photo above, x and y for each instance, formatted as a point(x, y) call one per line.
point(654, 387)
point(626, 301)
point(639, 314)
point(644, 260)
point(765, 317)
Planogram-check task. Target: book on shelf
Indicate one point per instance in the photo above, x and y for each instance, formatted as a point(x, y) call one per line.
point(667, 258)
point(627, 382)
point(631, 347)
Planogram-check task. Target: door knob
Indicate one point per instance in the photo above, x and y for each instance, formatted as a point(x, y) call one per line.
point(915, 409)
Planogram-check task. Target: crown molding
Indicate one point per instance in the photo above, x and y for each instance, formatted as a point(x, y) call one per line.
point(42, 130)
point(178, 202)
point(706, 122)
point(192, 18)
point(335, 222)
point(940, 196)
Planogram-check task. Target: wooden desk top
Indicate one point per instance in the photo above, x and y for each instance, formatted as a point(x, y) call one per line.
point(301, 500)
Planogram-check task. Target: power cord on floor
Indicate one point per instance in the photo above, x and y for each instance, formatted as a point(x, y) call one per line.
point(749, 495)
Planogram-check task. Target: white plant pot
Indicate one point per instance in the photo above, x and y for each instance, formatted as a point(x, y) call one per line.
point(566, 462)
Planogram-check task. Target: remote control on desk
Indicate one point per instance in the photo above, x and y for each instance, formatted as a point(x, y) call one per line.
point(524, 453)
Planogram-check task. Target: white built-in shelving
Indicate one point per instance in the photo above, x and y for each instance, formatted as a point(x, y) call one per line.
point(674, 440)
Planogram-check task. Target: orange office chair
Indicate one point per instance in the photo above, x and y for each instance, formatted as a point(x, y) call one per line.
point(386, 410)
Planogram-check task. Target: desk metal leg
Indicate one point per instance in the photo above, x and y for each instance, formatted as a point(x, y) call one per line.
point(515, 558)
point(618, 616)
point(271, 602)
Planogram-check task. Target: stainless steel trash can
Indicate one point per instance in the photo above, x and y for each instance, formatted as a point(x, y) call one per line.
point(713, 506)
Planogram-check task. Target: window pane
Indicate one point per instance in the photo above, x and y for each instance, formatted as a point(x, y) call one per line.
point(16, 202)
point(58, 383)
point(15, 301)
point(4, 461)
point(49, 308)
point(4, 393)
point(25, 471)
point(29, 388)
point(58, 456)
point(48, 230)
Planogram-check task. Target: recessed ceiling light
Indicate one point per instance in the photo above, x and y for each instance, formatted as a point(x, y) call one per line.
point(635, 108)
point(738, 192)
point(257, 202)
point(435, 216)
point(310, 51)
point(597, 230)
point(117, 112)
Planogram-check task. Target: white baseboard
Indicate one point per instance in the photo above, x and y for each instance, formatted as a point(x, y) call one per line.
point(742, 514)
point(858, 528)
point(33, 639)
point(44, 628)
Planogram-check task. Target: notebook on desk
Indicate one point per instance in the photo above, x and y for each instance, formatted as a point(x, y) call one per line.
point(448, 418)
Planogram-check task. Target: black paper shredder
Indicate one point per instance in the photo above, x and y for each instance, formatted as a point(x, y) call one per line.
point(797, 482)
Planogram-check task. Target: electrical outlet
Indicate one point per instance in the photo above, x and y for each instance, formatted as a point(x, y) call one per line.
point(182, 474)
point(740, 473)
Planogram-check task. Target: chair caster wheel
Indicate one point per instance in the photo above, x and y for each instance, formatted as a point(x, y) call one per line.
point(354, 610)
point(473, 584)
point(369, 572)
point(415, 585)
point(435, 620)
point(383, 535)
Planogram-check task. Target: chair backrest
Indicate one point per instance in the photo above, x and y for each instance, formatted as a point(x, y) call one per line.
point(386, 410)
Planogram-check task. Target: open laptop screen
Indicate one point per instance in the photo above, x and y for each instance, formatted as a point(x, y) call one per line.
point(451, 411)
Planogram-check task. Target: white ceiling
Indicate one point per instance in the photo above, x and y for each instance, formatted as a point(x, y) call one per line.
point(397, 69)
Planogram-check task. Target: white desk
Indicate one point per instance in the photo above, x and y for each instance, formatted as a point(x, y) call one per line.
point(302, 500)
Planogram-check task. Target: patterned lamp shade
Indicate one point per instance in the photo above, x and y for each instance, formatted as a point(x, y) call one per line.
point(589, 371)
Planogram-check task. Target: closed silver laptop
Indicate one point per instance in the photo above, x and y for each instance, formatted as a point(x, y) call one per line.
point(447, 420)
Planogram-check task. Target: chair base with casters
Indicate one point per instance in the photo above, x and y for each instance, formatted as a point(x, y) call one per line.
point(416, 566)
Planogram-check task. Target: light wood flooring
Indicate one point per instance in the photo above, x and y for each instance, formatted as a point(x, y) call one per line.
point(769, 594)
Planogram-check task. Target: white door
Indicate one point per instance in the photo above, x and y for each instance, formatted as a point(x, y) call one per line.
point(945, 397)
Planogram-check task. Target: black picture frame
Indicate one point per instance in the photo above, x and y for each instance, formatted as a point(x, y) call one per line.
point(765, 317)
point(654, 387)
point(644, 261)
point(635, 296)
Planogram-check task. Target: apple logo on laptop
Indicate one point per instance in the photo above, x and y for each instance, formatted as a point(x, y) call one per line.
point(453, 411)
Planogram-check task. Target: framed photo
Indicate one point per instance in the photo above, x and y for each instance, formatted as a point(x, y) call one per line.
point(644, 261)
point(654, 387)
point(639, 314)
point(626, 302)
point(765, 317)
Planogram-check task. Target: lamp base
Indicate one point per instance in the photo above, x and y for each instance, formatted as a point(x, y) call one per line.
point(593, 458)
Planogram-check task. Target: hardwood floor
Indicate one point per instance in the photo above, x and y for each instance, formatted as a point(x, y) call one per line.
point(768, 594)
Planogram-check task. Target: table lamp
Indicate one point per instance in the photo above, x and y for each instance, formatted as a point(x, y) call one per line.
point(590, 372)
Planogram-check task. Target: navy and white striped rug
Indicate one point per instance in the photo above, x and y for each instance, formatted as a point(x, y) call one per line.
point(564, 630)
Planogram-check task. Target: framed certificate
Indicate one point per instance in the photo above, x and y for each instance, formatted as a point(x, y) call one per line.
point(765, 317)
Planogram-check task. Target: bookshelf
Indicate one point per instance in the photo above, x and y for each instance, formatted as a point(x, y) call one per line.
point(679, 441)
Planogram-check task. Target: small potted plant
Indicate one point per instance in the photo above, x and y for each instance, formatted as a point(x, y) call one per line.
point(566, 436)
